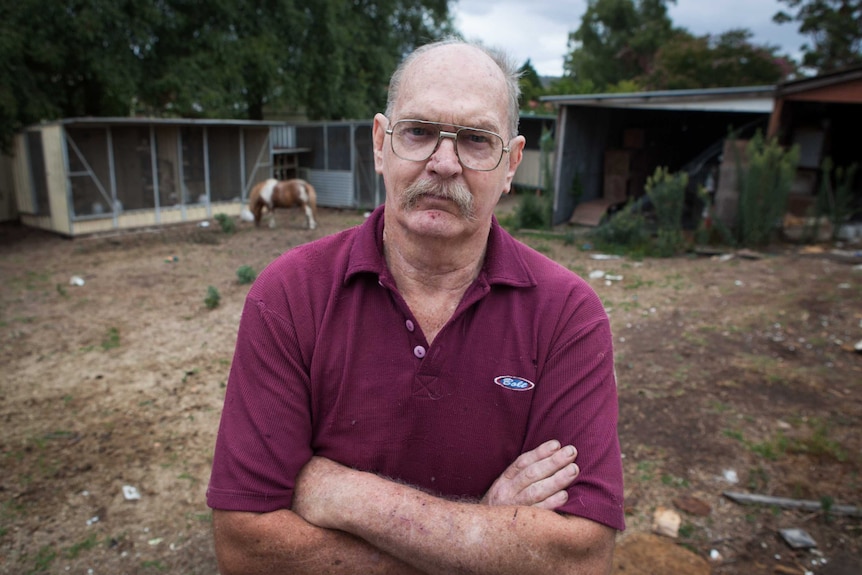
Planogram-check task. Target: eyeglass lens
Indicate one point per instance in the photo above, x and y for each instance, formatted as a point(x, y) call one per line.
point(477, 149)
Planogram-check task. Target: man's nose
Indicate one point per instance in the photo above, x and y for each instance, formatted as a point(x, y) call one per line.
point(445, 157)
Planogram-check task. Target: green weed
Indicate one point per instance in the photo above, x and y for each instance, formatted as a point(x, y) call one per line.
point(246, 274)
point(227, 224)
point(213, 298)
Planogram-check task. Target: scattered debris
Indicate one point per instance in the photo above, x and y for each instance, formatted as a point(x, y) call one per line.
point(693, 505)
point(172, 259)
point(750, 254)
point(131, 493)
point(806, 504)
point(666, 522)
point(797, 538)
point(614, 278)
point(730, 476)
point(604, 257)
point(715, 555)
point(785, 570)
point(597, 274)
point(92, 520)
point(204, 224)
point(847, 256)
point(76, 281)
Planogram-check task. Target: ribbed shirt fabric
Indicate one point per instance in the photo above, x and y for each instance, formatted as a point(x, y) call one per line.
point(330, 361)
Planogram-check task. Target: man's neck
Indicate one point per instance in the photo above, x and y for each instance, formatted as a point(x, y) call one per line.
point(432, 266)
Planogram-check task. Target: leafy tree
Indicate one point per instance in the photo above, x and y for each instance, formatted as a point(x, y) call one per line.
point(219, 59)
point(68, 59)
point(617, 40)
point(835, 29)
point(531, 85)
point(729, 59)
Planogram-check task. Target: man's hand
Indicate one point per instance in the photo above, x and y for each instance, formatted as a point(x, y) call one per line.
point(537, 478)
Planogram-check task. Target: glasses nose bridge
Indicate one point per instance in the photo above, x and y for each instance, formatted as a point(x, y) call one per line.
point(451, 136)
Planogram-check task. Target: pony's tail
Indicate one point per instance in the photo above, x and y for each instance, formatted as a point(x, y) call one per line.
point(250, 212)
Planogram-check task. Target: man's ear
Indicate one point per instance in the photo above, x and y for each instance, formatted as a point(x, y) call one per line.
point(378, 132)
point(516, 154)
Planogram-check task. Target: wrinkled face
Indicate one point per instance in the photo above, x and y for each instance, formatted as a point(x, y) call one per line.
point(454, 85)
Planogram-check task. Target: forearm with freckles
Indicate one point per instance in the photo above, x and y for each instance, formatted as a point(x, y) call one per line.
point(282, 542)
point(438, 536)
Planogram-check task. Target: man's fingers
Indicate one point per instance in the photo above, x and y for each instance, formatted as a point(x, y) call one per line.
point(535, 477)
point(525, 460)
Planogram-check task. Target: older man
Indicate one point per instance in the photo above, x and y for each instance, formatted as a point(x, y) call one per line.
point(409, 396)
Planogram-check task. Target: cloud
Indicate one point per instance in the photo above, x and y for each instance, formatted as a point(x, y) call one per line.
point(539, 30)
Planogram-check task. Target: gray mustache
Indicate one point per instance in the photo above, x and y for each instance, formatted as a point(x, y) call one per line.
point(454, 191)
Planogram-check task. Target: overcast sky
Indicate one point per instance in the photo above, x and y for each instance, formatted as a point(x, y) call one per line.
point(539, 29)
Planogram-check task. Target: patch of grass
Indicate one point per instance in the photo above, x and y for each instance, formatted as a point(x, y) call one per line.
point(85, 545)
point(111, 339)
point(733, 434)
point(686, 530)
point(719, 407)
point(673, 481)
point(818, 444)
point(189, 373)
point(635, 282)
point(645, 470)
point(43, 560)
point(758, 480)
point(188, 477)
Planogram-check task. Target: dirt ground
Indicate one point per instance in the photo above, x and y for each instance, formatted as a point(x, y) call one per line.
point(735, 374)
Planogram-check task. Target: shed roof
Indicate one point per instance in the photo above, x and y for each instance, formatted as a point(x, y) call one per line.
point(843, 76)
point(146, 121)
point(757, 99)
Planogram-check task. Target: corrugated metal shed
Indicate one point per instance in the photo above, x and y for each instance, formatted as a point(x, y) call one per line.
point(637, 132)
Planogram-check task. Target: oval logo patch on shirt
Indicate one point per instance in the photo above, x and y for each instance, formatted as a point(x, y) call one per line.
point(514, 383)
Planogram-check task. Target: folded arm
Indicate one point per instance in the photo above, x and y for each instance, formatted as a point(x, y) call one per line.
point(346, 521)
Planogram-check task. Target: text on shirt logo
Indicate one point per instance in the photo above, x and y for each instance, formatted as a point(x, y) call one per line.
point(514, 383)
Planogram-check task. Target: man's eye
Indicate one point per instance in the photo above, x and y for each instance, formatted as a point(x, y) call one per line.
point(418, 131)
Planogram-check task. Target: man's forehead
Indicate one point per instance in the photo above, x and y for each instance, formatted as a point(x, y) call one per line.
point(459, 84)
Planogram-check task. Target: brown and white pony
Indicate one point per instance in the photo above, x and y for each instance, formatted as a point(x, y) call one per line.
point(271, 194)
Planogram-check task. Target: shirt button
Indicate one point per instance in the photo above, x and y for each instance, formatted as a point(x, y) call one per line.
point(419, 351)
point(410, 326)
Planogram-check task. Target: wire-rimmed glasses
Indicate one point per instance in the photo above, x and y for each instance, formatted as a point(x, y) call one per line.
point(417, 140)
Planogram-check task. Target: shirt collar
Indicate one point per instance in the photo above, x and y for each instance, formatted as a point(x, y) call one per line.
point(503, 262)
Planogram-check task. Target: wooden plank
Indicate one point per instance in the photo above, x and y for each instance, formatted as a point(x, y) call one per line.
point(804, 504)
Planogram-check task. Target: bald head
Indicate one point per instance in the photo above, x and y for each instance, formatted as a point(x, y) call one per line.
point(498, 63)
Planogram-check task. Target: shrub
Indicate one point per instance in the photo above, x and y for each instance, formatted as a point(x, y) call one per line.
point(227, 224)
point(835, 200)
point(246, 274)
point(533, 212)
point(624, 230)
point(667, 193)
point(213, 298)
point(764, 187)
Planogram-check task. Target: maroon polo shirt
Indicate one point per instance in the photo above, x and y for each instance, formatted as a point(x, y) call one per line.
point(330, 361)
